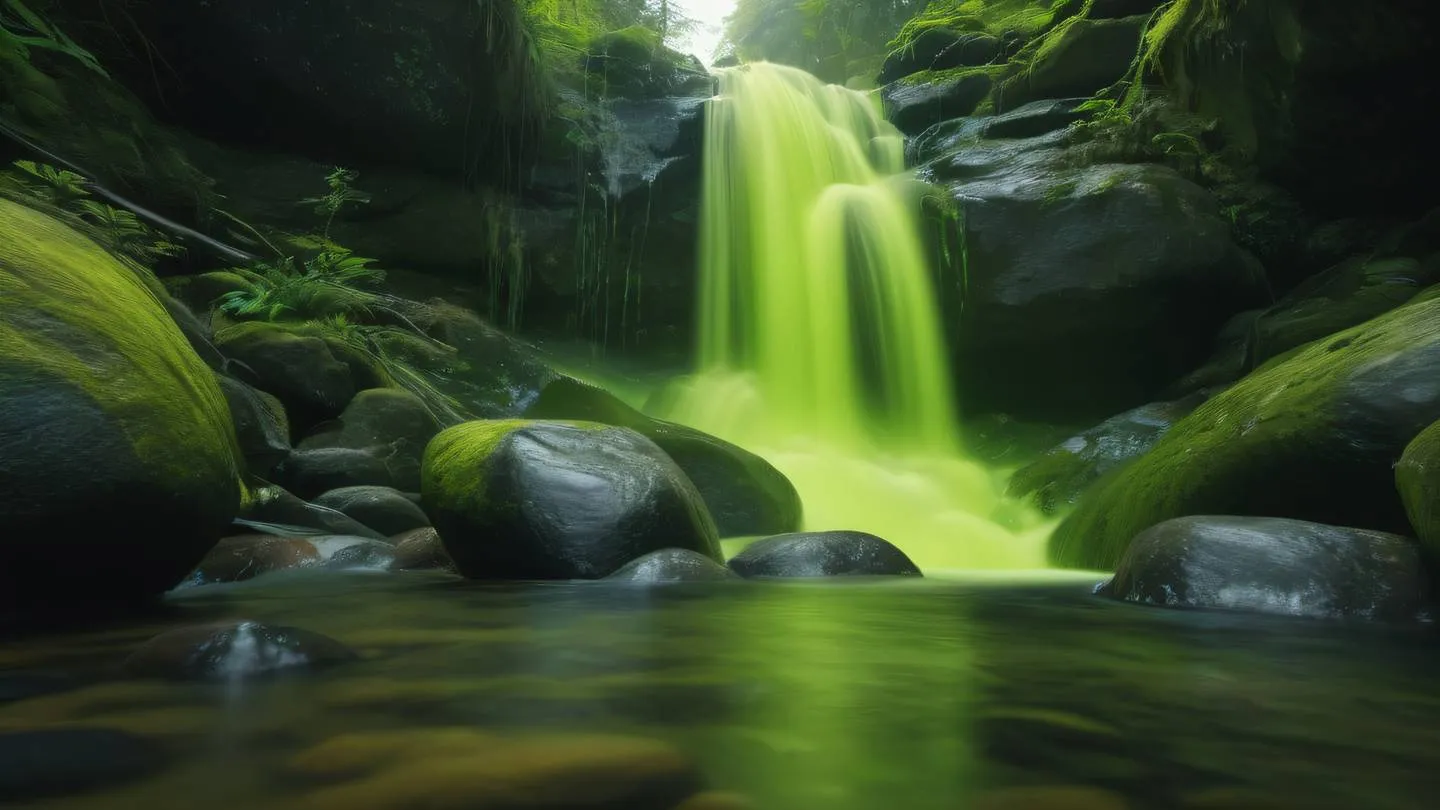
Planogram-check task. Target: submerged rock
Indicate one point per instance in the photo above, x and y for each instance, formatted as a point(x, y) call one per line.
point(383, 509)
point(745, 494)
point(822, 554)
point(118, 464)
point(1058, 477)
point(233, 650)
point(519, 499)
point(1312, 435)
point(461, 767)
point(421, 550)
point(45, 763)
point(1273, 565)
point(672, 565)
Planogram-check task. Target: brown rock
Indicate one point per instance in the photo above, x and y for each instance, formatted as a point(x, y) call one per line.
point(421, 550)
point(249, 555)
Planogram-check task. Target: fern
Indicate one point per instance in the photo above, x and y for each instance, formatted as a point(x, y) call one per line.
point(326, 287)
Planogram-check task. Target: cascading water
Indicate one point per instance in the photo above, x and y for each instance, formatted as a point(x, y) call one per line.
point(820, 341)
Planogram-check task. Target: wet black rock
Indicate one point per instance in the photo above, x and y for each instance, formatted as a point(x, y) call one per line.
point(1057, 478)
point(311, 473)
point(917, 102)
point(41, 764)
point(1085, 58)
point(273, 506)
point(822, 554)
point(233, 650)
point(386, 510)
point(940, 49)
point(517, 499)
point(672, 565)
point(1273, 565)
point(1123, 296)
point(745, 494)
point(421, 550)
point(1311, 435)
point(261, 426)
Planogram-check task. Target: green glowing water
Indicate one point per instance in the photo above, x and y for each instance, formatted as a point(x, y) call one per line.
point(820, 340)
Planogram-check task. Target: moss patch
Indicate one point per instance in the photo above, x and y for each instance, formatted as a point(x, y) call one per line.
point(453, 469)
point(1310, 435)
point(56, 286)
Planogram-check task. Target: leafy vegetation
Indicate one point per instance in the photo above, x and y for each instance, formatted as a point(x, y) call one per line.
point(341, 194)
point(22, 29)
point(67, 195)
point(329, 284)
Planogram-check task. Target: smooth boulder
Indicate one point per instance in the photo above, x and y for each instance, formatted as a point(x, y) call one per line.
point(1082, 57)
point(421, 550)
point(1312, 435)
point(1273, 565)
point(118, 461)
point(1417, 477)
point(745, 494)
point(517, 499)
point(916, 103)
point(672, 565)
point(1135, 274)
point(389, 423)
point(300, 370)
point(386, 510)
point(822, 554)
point(273, 508)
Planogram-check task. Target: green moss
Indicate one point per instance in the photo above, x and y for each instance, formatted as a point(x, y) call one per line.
point(453, 469)
point(1273, 444)
point(1417, 477)
point(1060, 191)
point(952, 74)
point(62, 294)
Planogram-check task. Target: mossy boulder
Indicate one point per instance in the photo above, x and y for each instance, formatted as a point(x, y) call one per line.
point(633, 62)
point(1273, 565)
point(1080, 57)
point(940, 49)
point(1056, 479)
point(118, 461)
point(301, 371)
point(1350, 293)
point(917, 102)
point(1418, 478)
point(744, 493)
point(518, 499)
point(1312, 435)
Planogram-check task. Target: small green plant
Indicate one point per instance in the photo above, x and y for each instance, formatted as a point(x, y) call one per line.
point(58, 187)
point(327, 286)
point(342, 193)
point(22, 29)
point(68, 194)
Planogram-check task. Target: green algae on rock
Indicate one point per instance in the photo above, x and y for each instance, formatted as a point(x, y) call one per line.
point(1418, 478)
point(118, 460)
point(1312, 435)
point(518, 499)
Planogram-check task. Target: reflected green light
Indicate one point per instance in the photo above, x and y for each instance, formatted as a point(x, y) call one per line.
point(820, 340)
